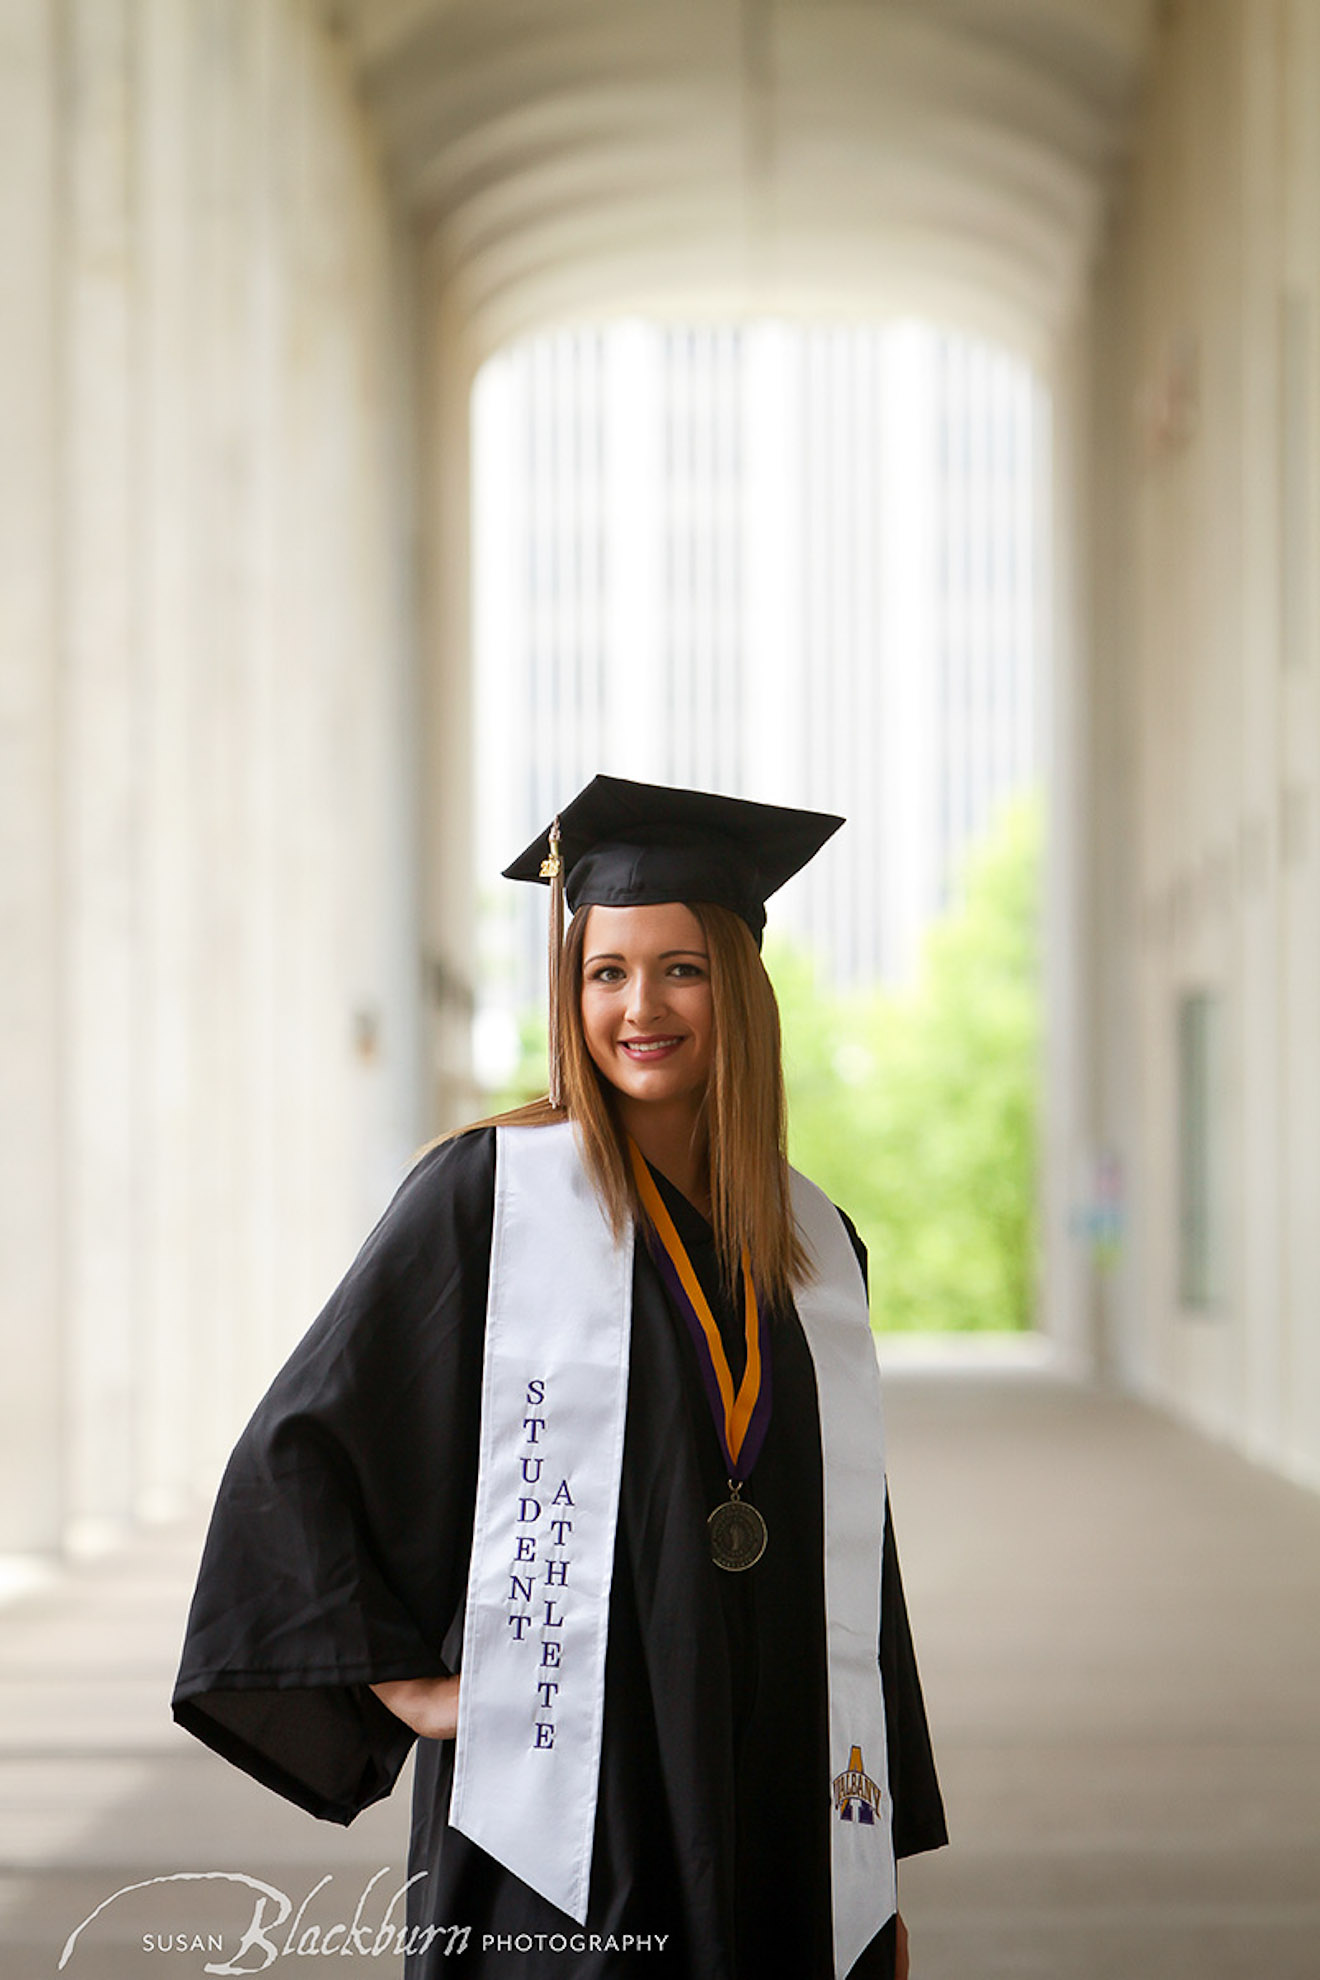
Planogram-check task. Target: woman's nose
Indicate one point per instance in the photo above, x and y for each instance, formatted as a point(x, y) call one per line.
point(645, 998)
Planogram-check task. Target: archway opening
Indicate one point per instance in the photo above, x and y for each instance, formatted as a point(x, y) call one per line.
point(806, 562)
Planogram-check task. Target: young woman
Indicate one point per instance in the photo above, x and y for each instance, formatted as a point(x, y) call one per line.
point(578, 1483)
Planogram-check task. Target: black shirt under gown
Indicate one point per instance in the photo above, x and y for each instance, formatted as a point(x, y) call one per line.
point(337, 1558)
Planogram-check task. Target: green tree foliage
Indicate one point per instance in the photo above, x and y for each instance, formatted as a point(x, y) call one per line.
point(917, 1110)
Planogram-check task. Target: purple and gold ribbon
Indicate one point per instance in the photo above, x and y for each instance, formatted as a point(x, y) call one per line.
point(742, 1417)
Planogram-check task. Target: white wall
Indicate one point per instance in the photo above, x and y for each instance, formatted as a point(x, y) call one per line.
point(207, 998)
point(1205, 706)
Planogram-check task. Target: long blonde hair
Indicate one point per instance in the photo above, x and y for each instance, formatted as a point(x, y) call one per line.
point(743, 1117)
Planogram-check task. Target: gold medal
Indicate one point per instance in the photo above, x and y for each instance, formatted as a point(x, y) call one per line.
point(737, 1532)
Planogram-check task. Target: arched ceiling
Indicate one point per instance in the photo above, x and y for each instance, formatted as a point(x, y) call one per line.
point(569, 157)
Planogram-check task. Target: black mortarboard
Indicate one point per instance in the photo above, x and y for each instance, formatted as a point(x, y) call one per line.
point(632, 845)
point(621, 844)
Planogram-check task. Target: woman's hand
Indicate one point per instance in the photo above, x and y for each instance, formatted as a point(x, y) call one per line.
point(900, 1948)
point(428, 1705)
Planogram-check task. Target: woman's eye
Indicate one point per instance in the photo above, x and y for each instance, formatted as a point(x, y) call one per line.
point(685, 969)
point(607, 973)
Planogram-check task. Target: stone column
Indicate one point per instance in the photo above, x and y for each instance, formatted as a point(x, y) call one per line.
point(1299, 438)
point(101, 792)
point(1088, 1160)
point(31, 1203)
point(448, 918)
point(1247, 292)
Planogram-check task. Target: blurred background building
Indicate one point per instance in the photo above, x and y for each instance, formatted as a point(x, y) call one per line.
point(255, 254)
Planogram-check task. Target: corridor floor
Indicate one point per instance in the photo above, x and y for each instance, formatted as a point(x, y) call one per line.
point(1119, 1630)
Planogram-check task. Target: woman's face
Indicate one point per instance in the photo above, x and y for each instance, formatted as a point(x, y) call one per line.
point(646, 1003)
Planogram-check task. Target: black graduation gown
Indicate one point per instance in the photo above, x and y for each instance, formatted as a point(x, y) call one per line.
point(337, 1558)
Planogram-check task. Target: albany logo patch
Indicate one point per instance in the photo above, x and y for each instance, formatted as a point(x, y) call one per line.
point(856, 1796)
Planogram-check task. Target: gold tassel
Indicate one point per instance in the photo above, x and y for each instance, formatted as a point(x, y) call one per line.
point(552, 869)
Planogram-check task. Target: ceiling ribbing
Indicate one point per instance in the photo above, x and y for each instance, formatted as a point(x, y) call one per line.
point(582, 156)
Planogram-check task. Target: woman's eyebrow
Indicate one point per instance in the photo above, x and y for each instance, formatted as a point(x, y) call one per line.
point(666, 955)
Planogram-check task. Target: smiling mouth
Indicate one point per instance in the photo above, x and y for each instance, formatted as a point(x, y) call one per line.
point(649, 1048)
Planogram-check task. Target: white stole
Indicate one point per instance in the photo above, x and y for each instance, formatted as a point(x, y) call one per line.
point(554, 1397)
point(833, 1310)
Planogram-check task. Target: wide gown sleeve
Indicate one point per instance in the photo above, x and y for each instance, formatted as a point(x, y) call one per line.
point(338, 1550)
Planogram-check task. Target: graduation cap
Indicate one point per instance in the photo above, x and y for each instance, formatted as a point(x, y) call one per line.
point(623, 844)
